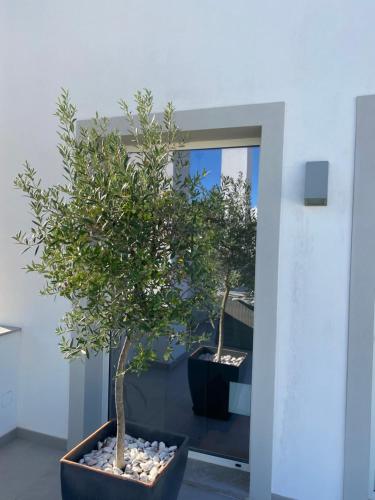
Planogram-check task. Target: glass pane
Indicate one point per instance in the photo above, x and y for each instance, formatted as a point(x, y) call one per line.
point(162, 397)
point(208, 160)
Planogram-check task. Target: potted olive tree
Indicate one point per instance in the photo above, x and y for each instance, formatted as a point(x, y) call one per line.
point(233, 222)
point(126, 244)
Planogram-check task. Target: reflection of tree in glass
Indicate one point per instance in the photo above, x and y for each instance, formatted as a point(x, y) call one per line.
point(234, 237)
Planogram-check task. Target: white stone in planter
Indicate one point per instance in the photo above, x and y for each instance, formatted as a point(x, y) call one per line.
point(147, 466)
point(226, 359)
point(144, 461)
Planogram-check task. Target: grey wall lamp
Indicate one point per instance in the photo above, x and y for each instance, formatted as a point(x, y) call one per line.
point(316, 183)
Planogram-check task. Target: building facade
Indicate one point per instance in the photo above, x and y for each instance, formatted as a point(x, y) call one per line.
point(312, 58)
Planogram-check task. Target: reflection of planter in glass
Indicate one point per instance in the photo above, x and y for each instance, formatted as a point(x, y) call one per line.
point(82, 482)
point(209, 382)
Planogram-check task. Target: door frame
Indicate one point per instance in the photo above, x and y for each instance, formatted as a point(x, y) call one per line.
point(359, 455)
point(227, 123)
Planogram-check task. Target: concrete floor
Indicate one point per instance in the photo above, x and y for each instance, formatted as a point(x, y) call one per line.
point(29, 471)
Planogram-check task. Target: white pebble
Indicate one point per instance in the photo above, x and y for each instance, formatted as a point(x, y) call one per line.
point(154, 472)
point(143, 460)
point(226, 359)
point(147, 466)
point(91, 462)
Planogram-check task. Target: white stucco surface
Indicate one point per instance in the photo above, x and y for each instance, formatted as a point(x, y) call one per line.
point(317, 57)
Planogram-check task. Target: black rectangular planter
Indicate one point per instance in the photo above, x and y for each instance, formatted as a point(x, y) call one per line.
point(209, 382)
point(81, 482)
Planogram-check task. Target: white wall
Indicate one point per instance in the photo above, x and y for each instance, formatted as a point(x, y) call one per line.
point(9, 372)
point(317, 57)
point(235, 161)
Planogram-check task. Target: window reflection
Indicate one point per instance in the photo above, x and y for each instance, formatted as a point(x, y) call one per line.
point(161, 397)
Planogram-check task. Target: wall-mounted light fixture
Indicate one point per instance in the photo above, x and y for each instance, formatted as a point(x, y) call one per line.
point(316, 183)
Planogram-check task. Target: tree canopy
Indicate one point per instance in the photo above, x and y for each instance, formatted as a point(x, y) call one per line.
point(126, 243)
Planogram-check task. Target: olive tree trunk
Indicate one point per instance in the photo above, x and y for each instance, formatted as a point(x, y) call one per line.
point(119, 398)
point(221, 322)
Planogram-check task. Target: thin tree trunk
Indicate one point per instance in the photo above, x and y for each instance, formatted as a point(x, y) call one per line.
point(221, 323)
point(119, 397)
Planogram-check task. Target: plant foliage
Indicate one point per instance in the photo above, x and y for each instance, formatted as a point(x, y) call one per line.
point(124, 242)
point(234, 223)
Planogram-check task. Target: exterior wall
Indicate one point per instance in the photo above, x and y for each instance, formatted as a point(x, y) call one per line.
point(235, 161)
point(9, 371)
point(317, 57)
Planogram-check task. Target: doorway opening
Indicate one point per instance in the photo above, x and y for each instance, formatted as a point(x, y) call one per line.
point(236, 126)
point(162, 397)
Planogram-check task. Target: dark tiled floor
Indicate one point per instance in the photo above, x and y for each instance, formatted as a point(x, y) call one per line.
point(29, 471)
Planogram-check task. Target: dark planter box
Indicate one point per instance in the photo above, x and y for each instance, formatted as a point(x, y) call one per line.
point(209, 383)
point(80, 482)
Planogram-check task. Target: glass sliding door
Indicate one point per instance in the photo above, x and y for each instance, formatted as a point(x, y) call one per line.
point(162, 396)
